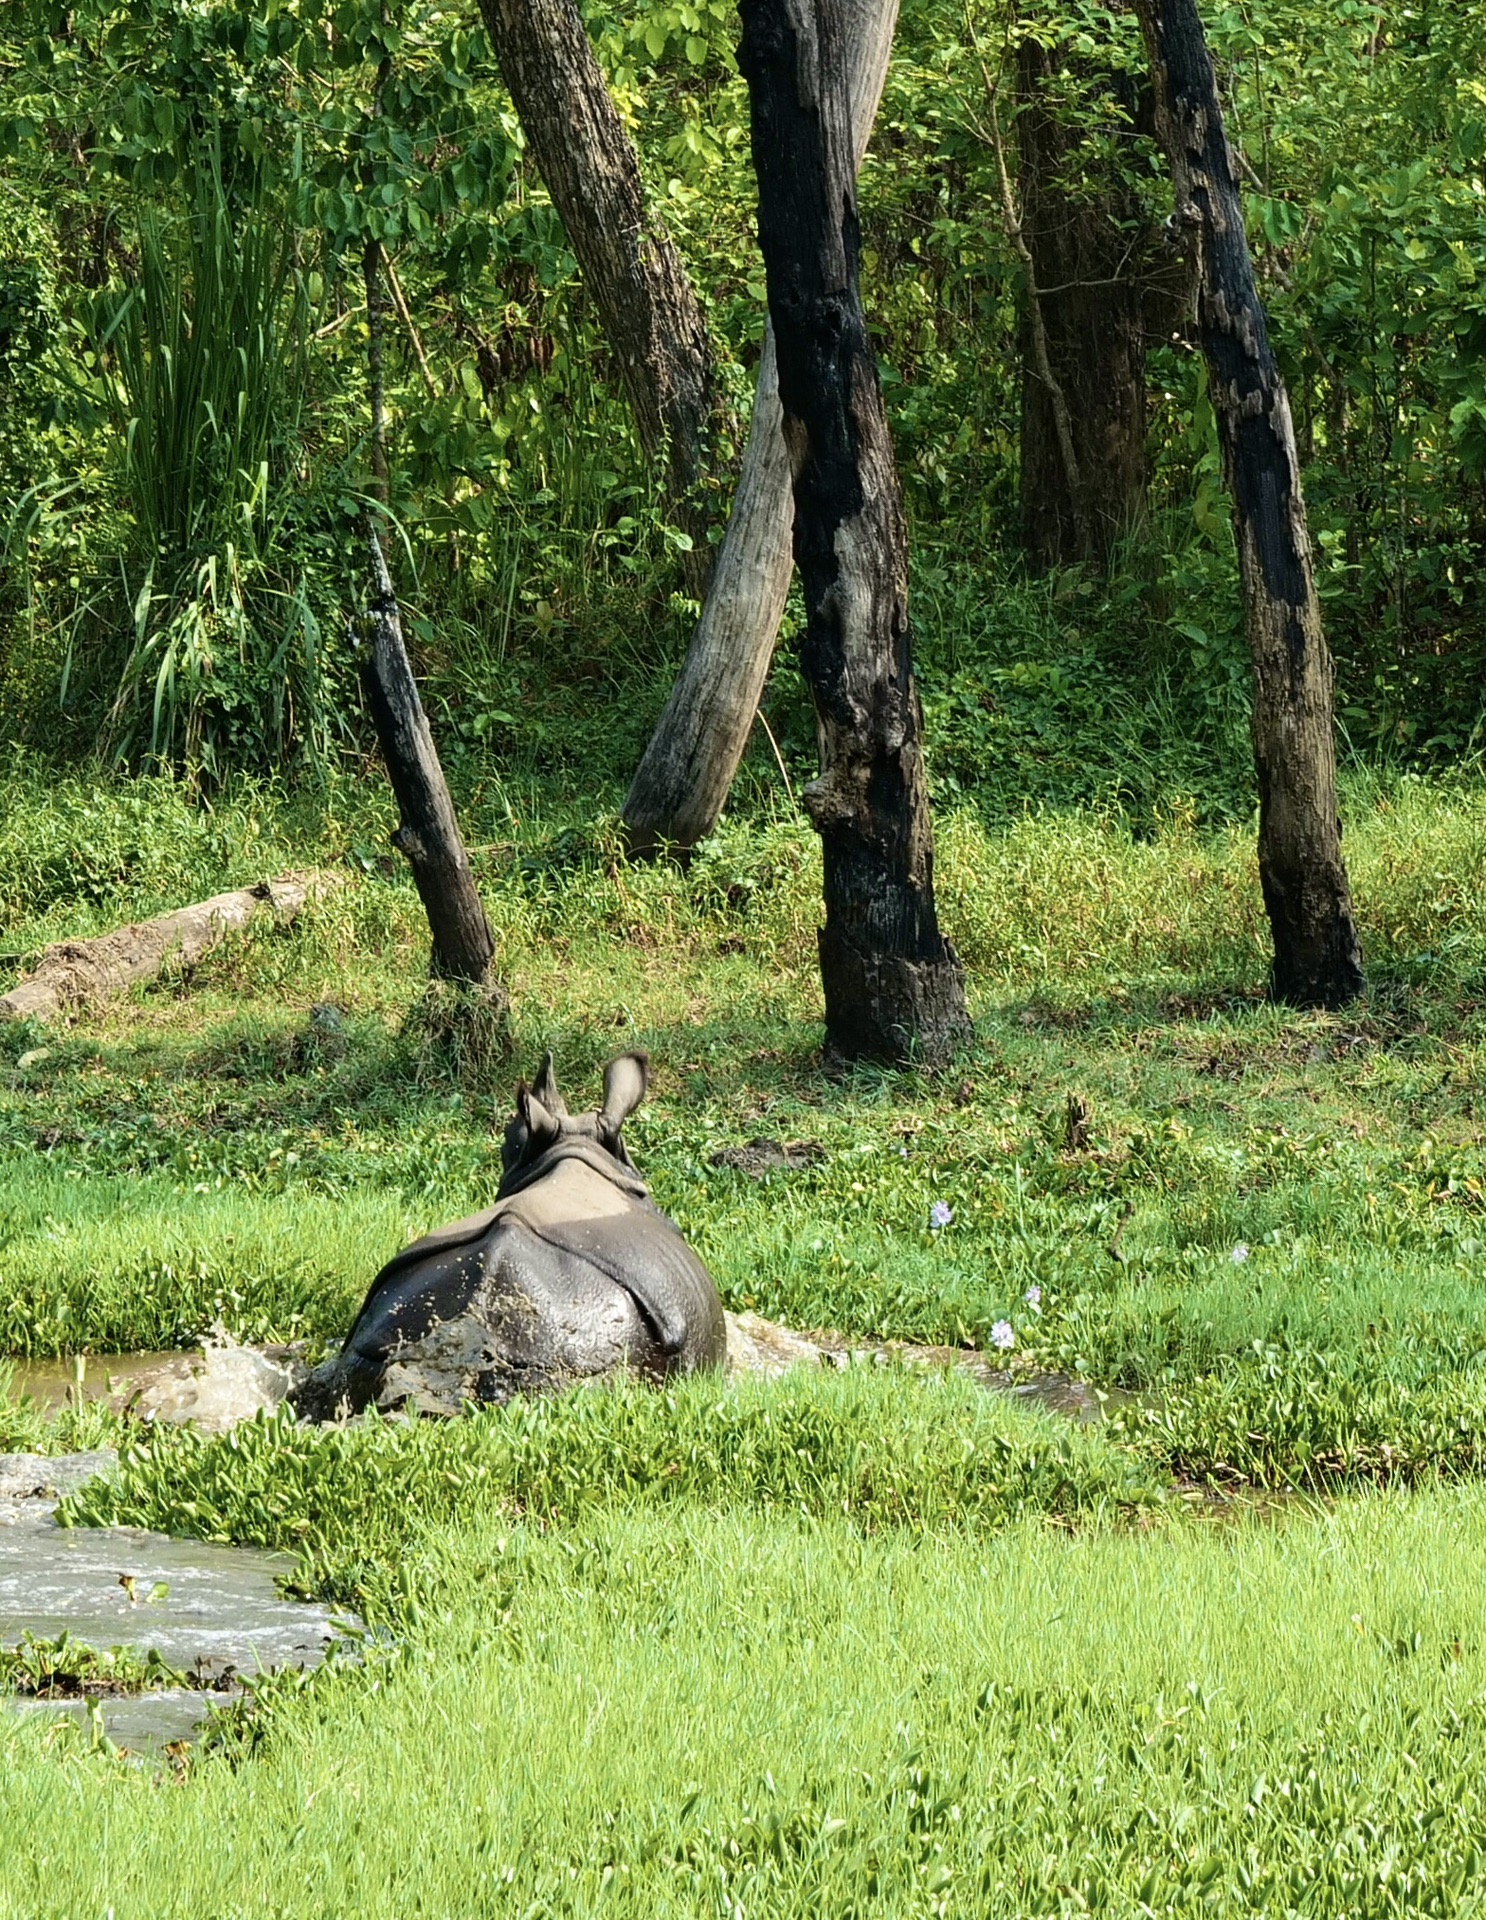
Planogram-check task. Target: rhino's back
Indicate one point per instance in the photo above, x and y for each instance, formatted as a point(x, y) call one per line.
point(571, 1277)
point(643, 1252)
point(519, 1316)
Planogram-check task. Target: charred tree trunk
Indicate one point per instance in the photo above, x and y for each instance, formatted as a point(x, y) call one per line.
point(1317, 957)
point(638, 282)
point(1095, 286)
point(428, 832)
point(682, 783)
point(892, 983)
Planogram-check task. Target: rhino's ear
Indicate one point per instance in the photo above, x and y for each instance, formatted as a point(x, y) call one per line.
point(625, 1082)
point(541, 1126)
point(545, 1089)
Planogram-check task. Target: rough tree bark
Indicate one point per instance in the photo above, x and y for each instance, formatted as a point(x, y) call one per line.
point(428, 832)
point(892, 983)
point(647, 306)
point(1097, 288)
point(682, 783)
point(1317, 957)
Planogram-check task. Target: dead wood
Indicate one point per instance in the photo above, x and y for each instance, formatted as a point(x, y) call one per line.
point(81, 973)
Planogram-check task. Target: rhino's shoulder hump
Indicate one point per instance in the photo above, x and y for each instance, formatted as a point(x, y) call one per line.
point(571, 1193)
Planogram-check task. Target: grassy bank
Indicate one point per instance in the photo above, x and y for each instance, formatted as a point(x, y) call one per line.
point(1271, 1220)
point(706, 1712)
point(866, 1642)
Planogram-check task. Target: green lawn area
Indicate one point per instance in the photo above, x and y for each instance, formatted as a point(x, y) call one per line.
point(703, 1711)
point(860, 1643)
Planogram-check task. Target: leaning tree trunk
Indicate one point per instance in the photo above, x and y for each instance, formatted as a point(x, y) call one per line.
point(1317, 958)
point(1094, 284)
point(428, 832)
point(892, 983)
point(682, 783)
point(647, 306)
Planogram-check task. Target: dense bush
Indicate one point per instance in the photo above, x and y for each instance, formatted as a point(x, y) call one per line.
point(540, 571)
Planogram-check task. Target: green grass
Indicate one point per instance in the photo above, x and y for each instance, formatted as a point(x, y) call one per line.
point(201, 1153)
point(883, 1447)
point(852, 1643)
point(695, 1712)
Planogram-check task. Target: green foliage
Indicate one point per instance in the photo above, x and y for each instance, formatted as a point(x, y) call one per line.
point(641, 1629)
point(684, 1712)
point(204, 1155)
point(883, 1447)
point(85, 843)
point(1299, 1417)
point(205, 359)
point(542, 575)
point(1368, 219)
point(66, 1669)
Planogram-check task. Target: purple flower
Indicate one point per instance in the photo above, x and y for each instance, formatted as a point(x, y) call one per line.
point(940, 1214)
point(1003, 1336)
point(1239, 1254)
point(1033, 1298)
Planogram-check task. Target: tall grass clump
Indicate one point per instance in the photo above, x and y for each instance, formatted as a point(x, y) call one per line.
point(206, 366)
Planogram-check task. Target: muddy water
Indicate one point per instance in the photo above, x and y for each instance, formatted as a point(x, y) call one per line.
point(760, 1346)
point(224, 1382)
point(213, 1387)
point(213, 1612)
point(112, 1376)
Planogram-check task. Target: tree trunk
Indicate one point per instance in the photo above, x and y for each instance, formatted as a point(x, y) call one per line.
point(892, 983)
point(682, 783)
point(638, 282)
point(1093, 277)
point(428, 832)
point(1317, 957)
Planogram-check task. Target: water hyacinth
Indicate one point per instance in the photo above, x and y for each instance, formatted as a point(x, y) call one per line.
point(1003, 1336)
point(1033, 1298)
point(940, 1214)
point(1239, 1254)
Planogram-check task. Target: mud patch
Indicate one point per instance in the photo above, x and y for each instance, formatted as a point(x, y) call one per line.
point(759, 1346)
point(213, 1388)
point(759, 1158)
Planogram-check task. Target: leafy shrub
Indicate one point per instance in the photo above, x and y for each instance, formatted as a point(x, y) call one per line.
point(1297, 1417)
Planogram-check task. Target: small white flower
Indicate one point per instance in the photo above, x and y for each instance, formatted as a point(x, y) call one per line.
point(1239, 1254)
point(1033, 1298)
point(940, 1214)
point(1003, 1336)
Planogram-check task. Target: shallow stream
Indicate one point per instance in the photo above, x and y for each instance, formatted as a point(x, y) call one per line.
point(213, 1612)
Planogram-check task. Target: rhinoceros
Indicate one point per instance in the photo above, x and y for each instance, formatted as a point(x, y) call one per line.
point(572, 1275)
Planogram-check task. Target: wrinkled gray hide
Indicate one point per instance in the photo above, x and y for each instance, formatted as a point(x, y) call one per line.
point(572, 1275)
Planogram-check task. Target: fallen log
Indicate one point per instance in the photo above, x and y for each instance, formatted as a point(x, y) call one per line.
point(80, 973)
